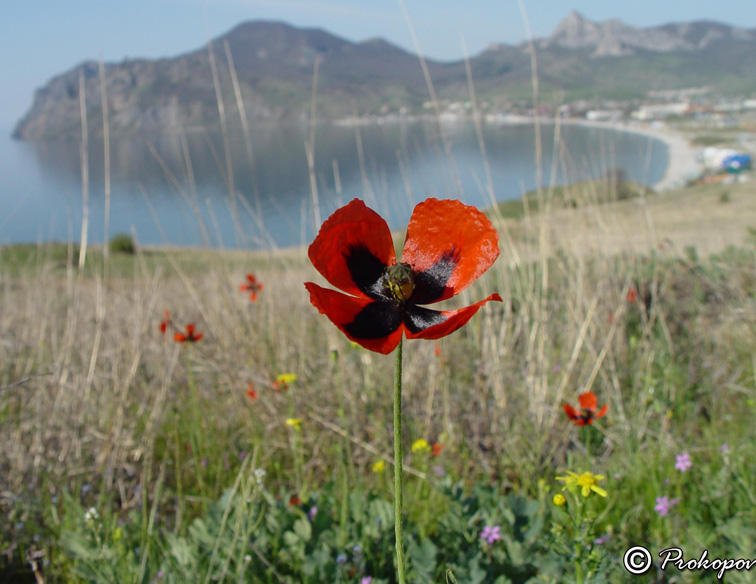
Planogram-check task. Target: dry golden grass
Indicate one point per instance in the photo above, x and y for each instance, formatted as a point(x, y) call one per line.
point(694, 216)
point(126, 410)
point(121, 399)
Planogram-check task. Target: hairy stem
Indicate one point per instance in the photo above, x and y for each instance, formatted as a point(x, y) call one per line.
point(398, 457)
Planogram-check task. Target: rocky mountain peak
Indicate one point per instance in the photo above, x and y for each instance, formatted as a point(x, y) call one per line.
point(613, 38)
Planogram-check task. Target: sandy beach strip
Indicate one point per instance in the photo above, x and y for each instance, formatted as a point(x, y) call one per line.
point(682, 163)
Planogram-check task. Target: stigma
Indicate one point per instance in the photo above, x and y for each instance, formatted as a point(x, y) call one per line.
point(399, 279)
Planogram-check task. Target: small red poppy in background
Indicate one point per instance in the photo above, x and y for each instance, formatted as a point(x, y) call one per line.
point(588, 405)
point(436, 449)
point(632, 295)
point(252, 286)
point(448, 246)
point(251, 392)
point(190, 336)
point(294, 501)
point(165, 322)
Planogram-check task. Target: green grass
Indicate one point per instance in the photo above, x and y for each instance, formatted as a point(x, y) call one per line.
point(573, 196)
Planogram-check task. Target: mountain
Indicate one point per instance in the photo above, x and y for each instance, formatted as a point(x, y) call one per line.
point(613, 38)
point(275, 62)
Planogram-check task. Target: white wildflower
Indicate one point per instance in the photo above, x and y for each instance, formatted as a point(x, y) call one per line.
point(91, 517)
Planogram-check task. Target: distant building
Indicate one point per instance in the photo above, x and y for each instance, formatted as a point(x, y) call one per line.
point(728, 106)
point(662, 110)
point(603, 115)
point(725, 159)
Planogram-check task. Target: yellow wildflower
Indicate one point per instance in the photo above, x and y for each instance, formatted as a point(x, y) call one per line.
point(295, 423)
point(588, 482)
point(282, 381)
point(420, 445)
point(379, 466)
point(559, 500)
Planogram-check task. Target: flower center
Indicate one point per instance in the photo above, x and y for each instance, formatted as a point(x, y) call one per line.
point(587, 480)
point(399, 279)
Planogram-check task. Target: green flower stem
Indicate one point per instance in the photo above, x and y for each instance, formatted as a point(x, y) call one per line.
point(398, 457)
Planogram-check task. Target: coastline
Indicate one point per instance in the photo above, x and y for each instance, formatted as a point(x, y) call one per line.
point(682, 162)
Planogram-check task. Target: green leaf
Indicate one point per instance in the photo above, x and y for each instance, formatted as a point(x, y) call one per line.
point(476, 574)
point(303, 529)
point(291, 539)
point(423, 559)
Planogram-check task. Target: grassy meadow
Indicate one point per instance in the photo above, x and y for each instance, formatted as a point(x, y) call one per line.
point(131, 458)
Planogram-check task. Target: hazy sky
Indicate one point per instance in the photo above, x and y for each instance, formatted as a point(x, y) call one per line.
point(41, 38)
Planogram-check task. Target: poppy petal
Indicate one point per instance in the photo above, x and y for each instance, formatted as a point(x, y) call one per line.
point(424, 323)
point(602, 412)
point(352, 250)
point(198, 337)
point(374, 325)
point(588, 401)
point(571, 412)
point(179, 337)
point(450, 244)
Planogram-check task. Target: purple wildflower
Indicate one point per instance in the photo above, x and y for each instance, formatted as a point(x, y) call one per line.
point(724, 449)
point(683, 462)
point(366, 580)
point(490, 534)
point(601, 540)
point(664, 504)
point(312, 512)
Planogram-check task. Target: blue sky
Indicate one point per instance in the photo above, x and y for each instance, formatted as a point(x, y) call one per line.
point(41, 38)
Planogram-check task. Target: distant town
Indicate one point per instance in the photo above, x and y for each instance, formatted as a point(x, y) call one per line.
point(697, 107)
point(723, 127)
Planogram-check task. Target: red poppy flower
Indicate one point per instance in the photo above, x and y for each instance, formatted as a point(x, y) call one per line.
point(448, 246)
point(252, 286)
point(165, 322)
point(632, 295)
point(436, 449)
point(251, 393)
point(588, 404)
point(295, 500)
point(189, 336)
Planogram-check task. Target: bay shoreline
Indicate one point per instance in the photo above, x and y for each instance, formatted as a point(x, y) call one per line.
point(682, 162)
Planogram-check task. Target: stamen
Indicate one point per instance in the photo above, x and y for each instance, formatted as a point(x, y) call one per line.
point(399, 279)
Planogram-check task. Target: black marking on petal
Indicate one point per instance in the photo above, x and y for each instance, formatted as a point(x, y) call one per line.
point(375, 321)
point(366, 270)
point(430, 284)
point(417, 318)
